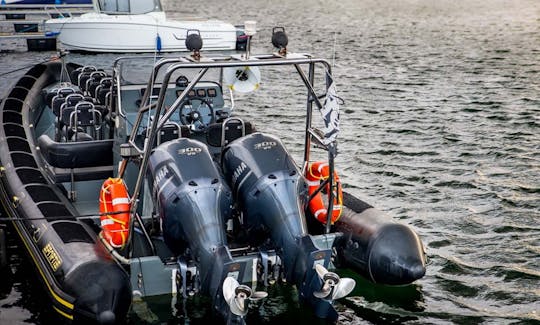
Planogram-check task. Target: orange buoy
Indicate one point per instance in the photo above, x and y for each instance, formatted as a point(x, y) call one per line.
point(114, 207)
point(317, 172)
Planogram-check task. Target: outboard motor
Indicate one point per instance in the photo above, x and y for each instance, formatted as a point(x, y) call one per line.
point(193, 203)
point(272, 193)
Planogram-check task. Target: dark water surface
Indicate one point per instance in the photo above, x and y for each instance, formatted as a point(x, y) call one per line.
point(441, 129)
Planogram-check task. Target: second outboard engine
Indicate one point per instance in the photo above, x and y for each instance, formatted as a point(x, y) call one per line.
point(193, 203)
point(270, 189)
point(272, 193)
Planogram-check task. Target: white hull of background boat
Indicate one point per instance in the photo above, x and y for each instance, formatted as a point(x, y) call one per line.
point(97, 32)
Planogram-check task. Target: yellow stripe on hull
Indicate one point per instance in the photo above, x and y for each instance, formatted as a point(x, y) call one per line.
point(59, 299)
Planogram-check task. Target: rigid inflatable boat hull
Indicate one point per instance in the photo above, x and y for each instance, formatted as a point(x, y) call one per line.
point(65, 252)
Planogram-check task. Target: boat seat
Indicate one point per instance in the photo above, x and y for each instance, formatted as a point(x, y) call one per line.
point(85, 160)
point(103, 96)
point(92, 86)
point(170, 131)
point(85, 76)
point(104, 87)
point(60, 98)
point(49, 95)
point(232, 128)
point(75, 73)
point(71, 120)
point(70, 101)
point(83, 116)
point(93, 82)
point(103, 110)
point(76, 154)
point(65, 114)
point(80, 136)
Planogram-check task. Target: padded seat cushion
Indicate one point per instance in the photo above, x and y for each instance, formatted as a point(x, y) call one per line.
point(76, 154)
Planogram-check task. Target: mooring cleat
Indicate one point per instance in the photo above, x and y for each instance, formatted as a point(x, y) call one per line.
point(333, 286)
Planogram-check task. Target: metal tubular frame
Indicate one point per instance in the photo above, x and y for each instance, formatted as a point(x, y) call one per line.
point(223, 62)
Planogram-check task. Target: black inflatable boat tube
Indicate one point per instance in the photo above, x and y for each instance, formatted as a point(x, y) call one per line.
point(377, 247)
point(84, 285)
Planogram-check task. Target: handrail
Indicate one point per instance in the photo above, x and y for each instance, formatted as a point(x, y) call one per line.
point(175, 64)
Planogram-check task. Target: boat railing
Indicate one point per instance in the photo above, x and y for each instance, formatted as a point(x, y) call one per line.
point(160, 119)
point(54, 12)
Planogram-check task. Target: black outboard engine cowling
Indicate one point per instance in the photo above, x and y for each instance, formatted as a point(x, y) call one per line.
point(271, 191)
point(193, 203)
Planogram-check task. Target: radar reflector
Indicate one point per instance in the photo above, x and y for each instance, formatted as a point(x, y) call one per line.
point(242, 79)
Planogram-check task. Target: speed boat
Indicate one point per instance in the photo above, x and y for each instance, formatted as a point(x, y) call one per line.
point(125, 185)
point(137, 26)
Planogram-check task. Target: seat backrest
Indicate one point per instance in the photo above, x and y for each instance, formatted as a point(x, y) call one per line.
point(232, 129)
point(74, 76)
point(102, 89)
point(65, 115)
point(69, 102)
point(50, 95)
point(76, 154)
point(94, 81)
point(73, 99)
point(84, 76)
point(91, 88)
point(60, 98)
point(221, 134)
point(169, 131)
point(84, 115)
point(103, 95)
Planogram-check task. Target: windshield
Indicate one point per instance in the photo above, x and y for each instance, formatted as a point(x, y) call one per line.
point(128, 6)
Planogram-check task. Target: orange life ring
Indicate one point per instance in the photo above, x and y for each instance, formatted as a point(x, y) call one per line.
point(317, 172)
point(114, 207)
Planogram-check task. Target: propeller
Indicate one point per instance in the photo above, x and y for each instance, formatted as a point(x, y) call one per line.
point(333, 286)
point(236, 294)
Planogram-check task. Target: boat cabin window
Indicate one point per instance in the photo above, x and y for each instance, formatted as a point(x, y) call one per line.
point(128, 6)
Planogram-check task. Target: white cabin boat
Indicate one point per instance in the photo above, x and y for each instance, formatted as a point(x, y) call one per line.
point(137, 26)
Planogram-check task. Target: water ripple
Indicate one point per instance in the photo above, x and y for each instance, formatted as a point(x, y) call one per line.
point(440, 129)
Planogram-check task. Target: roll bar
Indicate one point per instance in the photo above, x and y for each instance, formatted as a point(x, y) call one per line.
point(174, 64)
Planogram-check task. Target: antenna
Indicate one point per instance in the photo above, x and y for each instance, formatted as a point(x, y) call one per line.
point(334, 51)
